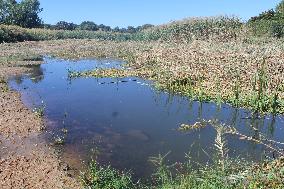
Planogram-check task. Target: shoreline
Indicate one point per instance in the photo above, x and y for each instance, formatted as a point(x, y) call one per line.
point(26, 160)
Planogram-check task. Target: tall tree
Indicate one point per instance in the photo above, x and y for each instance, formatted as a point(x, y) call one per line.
point(62, 25)
point(3, 11)
point(280, 10)
point(24, 14)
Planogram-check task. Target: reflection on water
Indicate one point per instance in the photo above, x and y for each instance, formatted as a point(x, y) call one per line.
point(127, 122)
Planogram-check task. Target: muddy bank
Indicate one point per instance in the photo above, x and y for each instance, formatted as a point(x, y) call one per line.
point(26, 161)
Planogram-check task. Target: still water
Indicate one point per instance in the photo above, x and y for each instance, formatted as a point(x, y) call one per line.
point(125, 121)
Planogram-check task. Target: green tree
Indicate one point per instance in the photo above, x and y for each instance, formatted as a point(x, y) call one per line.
point(103, 27)
point(146, 26)
point(24, 14)
point(131, 29)
point(116, 29)
point(280, 10)
point(89, 25)
point(6, 8)
point(62, 25)
point(3, 11)
point(266, 15)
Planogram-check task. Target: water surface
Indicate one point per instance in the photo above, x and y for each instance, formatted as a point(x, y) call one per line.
point(125, 121)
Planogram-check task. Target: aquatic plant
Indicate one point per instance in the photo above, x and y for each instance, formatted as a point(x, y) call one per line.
point(59, 140)
point(3, 85)
point(39, 111)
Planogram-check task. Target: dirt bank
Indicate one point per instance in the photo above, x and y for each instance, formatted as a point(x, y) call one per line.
point(26, 161)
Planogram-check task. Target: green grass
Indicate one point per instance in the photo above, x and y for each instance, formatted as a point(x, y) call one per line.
point(100, 177)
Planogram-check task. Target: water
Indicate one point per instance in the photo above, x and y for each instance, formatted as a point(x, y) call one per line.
point(125, 121)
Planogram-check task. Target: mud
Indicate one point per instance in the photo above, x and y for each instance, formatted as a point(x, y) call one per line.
point(26, 161)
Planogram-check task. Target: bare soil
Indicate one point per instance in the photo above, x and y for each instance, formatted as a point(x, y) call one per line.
point(26, 160)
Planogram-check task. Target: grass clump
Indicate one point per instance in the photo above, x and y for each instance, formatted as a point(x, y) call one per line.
point(107, 178)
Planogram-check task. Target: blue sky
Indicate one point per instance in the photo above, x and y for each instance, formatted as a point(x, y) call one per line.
point(123, 13)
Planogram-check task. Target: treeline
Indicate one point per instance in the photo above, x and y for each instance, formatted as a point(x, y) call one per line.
point(92, 26)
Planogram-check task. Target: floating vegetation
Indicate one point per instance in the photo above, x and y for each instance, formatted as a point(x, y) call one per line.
point(39, 111)
point(99, 73)
point(59, 140)
point(195, 126)
point(3, 85)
